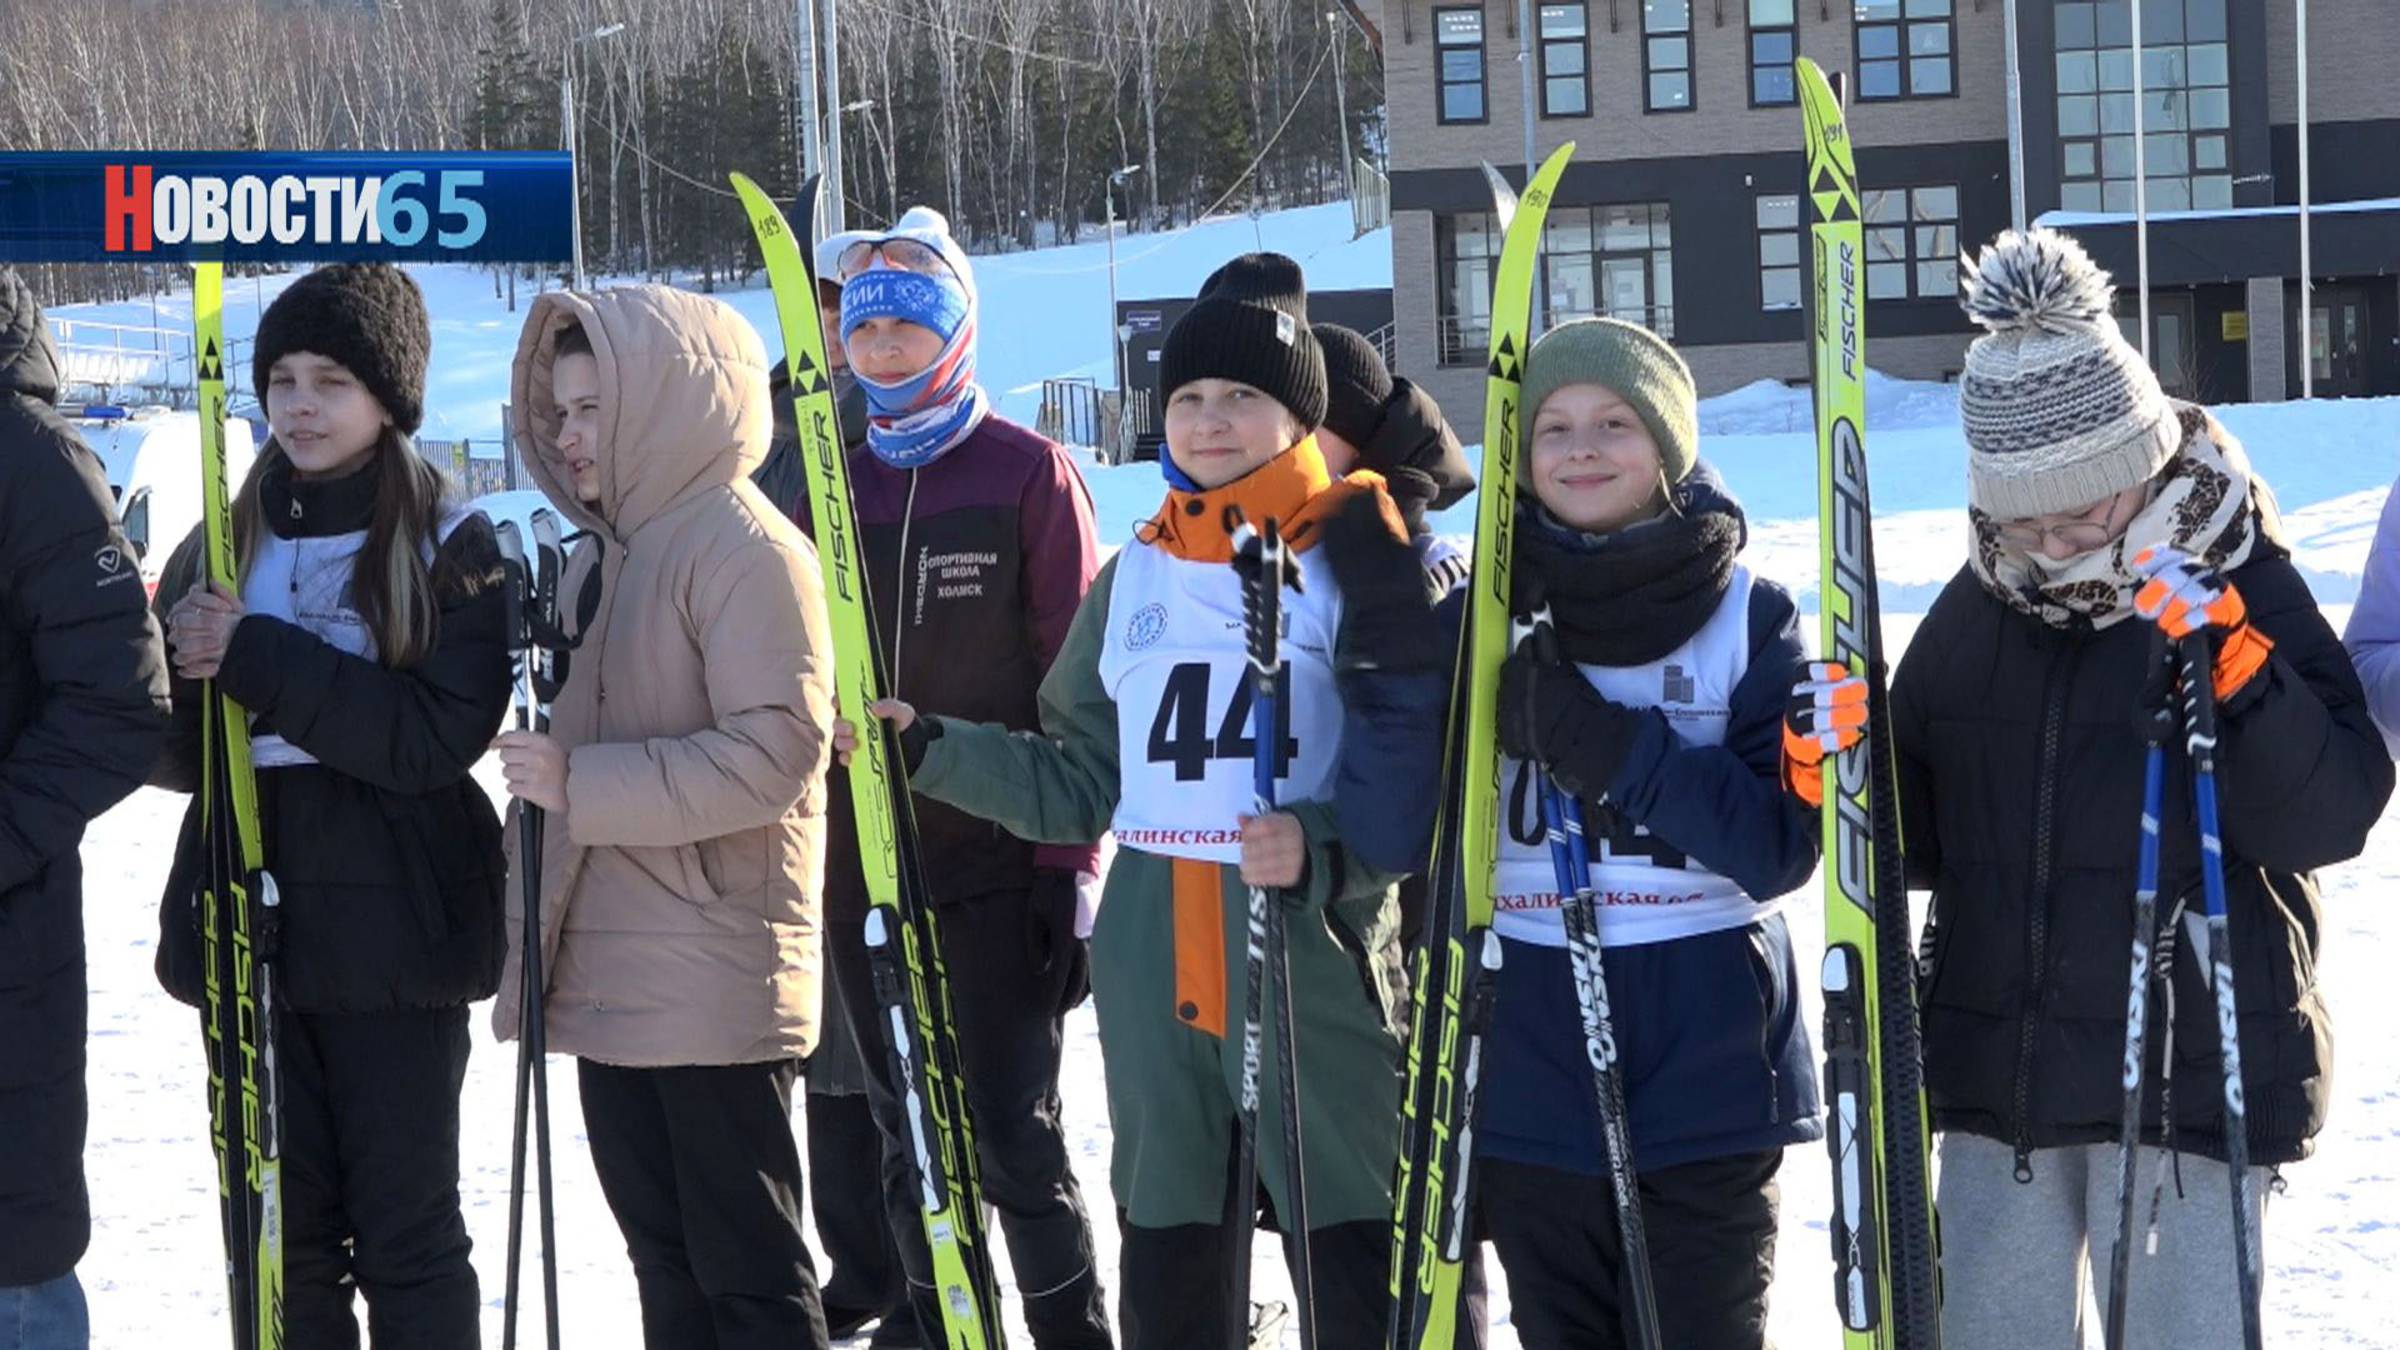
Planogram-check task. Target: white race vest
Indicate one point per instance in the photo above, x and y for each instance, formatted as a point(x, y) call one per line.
point(1648, 892)
point(306, 583)
point(1176, 666)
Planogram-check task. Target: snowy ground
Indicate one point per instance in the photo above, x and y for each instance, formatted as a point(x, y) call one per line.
point(154, 1267)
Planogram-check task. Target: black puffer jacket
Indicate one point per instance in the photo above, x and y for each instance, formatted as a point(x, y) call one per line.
point(2021, 782)
point(83, 694)
point(386, 855)
point(1418, 455)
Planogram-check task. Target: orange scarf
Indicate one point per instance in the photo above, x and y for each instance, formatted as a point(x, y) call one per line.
point(1293, 489)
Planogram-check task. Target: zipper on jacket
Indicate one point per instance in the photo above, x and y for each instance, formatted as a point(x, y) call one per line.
point(2037, 930)
point(908, 511)
point(1769, 973)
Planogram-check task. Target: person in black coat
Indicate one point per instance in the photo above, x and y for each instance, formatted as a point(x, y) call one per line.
point(82, 708)
point(370, 646)
point(1379, 421)
point(2102, 514)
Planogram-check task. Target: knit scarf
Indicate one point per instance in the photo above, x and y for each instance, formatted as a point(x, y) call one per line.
point(2205, 503)
point(1632, 596)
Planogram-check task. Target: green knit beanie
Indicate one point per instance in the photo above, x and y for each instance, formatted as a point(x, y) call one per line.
point(1630, 360)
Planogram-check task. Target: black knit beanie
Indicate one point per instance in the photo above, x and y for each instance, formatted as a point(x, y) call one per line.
point(368, 316)
point(1251, 324)
point(1356, 383)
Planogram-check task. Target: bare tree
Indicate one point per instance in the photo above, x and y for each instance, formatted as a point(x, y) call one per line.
point(1006, 113)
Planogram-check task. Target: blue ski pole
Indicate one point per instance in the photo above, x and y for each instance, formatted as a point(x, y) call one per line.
point(2158, 726)
point(2200, 733)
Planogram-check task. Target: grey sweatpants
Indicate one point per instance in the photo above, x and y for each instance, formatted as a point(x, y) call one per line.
point(2018, 1260)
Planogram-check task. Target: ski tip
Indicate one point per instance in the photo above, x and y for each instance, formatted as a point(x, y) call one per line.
point(1504, 197)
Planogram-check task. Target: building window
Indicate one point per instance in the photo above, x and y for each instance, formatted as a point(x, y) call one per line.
point(1906, 48)
point(2187, 106)
point(1613, 261)
point(1466, 254)
point(1458, 45)
point(1912, 243)
point(1566, 67)
point(1774, 41)
point(1667, 54)
point(1597, 260)
point(1779, 252)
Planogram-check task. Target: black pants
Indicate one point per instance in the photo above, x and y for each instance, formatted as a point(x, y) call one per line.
point(845, 1170)
point(1010, 1038)
point(1178, 1281)
point(1711, 1227)
point(370, 1180)
point(700, 1168)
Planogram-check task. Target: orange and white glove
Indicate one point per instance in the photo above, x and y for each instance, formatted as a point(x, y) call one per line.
point(1827, 715)
point(2183, 596)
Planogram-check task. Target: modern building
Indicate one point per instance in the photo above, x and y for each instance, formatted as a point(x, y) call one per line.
point(1682, 207)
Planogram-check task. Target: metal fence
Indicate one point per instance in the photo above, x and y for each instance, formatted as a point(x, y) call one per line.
point(1071, 412)
point(1370, 198)
point(476, 466)
point(1077, 412)
point(138, 363)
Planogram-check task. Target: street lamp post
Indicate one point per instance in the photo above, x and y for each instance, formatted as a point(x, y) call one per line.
point(1341, 100)
point(811, 133)
point(832, 68)
point(1116, 179)
point(1124, 447)
point(566, 121)
point(835, 218)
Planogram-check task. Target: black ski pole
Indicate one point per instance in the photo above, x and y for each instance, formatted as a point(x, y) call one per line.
point(1571, 863)
point(1260, 558)
point(517, 579)
point(547, 670)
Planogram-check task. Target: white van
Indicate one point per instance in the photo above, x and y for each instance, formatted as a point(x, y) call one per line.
point(152, 458)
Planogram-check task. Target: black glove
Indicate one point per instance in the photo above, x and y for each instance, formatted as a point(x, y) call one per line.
point(921, 733)
point(1551, 715)
point(1387, 597)
point(1052, 951)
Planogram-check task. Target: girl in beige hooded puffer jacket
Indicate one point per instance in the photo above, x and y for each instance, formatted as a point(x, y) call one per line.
point(685, 775)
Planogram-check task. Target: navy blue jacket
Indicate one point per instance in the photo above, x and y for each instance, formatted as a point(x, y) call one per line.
point(1716, 1060)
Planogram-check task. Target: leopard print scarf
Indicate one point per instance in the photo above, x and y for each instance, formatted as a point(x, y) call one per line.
point(2204, 502)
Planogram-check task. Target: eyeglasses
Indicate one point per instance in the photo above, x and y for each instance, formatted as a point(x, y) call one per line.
point(2082, 533)
point(907, 255)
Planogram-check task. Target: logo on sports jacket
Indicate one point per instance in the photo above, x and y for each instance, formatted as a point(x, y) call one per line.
point(1677, 686)
point(111, 561)
point(1148, 625)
